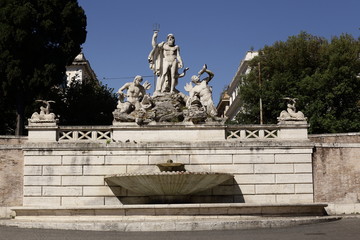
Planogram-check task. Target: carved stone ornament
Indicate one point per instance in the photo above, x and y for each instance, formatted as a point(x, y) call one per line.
point(44, 117)
point(290, 114)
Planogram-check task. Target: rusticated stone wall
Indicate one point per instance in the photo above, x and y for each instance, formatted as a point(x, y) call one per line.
point(336, 162)
point(11, 171)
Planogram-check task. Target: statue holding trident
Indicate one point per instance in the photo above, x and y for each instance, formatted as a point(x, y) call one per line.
point(165, 60)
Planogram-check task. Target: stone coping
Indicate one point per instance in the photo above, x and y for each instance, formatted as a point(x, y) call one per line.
point(334, 134)
point(162, 125)
point(171, 144)
point(184, 205)
point(227, 209)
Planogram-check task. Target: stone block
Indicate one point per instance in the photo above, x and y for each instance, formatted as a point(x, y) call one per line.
point(142, 169)
point(244, 189)
point(140, 211)
point(42, 180)
point(167, 133)
point(83, 160)
point(259, 198)
point(256, 158)
point(211, 211)
point(224, 190)
point(304, 188)
point(198, 168)
point(5, 212)
point(82, 201)
point(233, 168)
point(62, 191)
point(210, 159)
point(32, 191)
point(104, 170)
point(112, 201)
point(41, 201)
point(124, 160)
point(42, 134)
point(32, 170)
point(297, 132)
point(155, 159)
point(274, 168)
point(62, 170)
point(303, 168)
point(357, 208)
point(293, 158)
point(103, 191)
point(42, 160)
point(274, 189)
point(82, 180)
point(295, 198)
point(255, 178)
point(294, 178)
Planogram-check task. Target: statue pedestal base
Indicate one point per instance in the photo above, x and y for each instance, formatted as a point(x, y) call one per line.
point(293, 129)
point(173, 132)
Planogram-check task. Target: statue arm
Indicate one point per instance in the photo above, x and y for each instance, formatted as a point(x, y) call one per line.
point(154, 39)
point(178, 57)
point(125, 86)
point(211, 75)
point(205, 70)
point(154, 48)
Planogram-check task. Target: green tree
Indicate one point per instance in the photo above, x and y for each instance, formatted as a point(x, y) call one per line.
point(38, 39)
point(322, 74)
point(84, 103)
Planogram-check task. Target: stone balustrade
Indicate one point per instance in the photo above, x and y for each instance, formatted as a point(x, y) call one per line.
point(167, 131)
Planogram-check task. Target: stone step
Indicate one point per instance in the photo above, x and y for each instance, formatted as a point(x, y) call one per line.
point(160, 223)
point(218, 209)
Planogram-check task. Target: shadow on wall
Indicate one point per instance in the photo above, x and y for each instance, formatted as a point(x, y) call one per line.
point(227, 192)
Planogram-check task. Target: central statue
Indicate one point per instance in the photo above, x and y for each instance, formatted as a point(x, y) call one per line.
point(165, 60)
point(166, 104)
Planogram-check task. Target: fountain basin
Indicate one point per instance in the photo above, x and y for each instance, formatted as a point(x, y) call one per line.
point(168, 185)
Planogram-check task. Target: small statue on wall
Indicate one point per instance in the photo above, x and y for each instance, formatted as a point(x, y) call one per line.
point(44, 116)
point(290, 114)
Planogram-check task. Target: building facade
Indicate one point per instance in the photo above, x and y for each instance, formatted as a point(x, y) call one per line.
point(230, 102)
point(80, 70)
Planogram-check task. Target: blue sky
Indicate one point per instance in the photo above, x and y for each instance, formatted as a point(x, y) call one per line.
point(217, 33)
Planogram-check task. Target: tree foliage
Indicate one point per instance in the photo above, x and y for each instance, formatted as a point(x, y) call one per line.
point(38, 39)
point(84, 103)
point(322, 74)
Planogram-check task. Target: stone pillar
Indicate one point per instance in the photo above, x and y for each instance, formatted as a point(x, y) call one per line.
point(294, 130)
point(42, 131)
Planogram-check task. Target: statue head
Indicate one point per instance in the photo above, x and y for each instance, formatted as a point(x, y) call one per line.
point(171, 38)
point(138, 79)
point(195, 79)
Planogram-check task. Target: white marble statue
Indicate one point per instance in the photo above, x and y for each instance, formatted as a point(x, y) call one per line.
point(165, 61)
point(44, 114)
point(290, 114)
point(135, 94)
point(201, 92)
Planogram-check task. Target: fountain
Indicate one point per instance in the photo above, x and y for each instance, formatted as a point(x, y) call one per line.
point(173, 184)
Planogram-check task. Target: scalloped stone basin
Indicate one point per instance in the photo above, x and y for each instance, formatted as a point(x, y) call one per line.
point(168, 183)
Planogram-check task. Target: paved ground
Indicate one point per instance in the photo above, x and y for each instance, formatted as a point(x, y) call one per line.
point(348, 228)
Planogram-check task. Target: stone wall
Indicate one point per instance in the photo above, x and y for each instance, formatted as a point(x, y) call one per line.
point(336, 163)
point(64, 174)
point(11, 171)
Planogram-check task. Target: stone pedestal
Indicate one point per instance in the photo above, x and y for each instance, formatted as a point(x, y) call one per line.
point(165, 132)
point(42, 131)
point(293, 130)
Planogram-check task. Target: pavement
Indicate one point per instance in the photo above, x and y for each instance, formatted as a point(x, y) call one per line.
point(160, 223)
